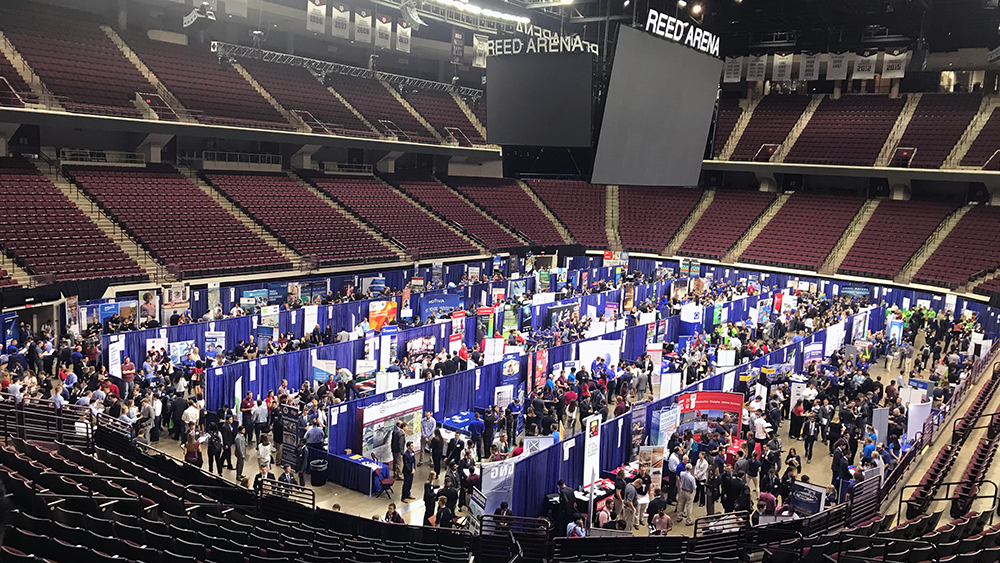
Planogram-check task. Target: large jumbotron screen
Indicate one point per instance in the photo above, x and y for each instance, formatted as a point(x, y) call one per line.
point(658, 113)
point(539, 100)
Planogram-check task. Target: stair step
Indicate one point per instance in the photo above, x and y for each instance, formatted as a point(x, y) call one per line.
point(674, 244)
point(412, 110)
point(755, 229)
point(786, 146)
point(849, 237)
point(932, 243)
point(563, 231)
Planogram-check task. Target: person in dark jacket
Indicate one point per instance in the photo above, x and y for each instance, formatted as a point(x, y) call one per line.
point(228, 439)
point(302, 462)
point(409, 466)
point(398, 444)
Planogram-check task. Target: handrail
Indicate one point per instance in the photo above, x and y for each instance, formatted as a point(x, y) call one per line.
point(241, 157)
point(520, 552)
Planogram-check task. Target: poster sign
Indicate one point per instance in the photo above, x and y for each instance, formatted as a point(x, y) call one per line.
point(592, 448)
point(498, 483)
point(324, 370)
point(541, 368)
point(813, 353)
point(378, 421)
point(381, 313)
point(807, 499)
point(702, 411)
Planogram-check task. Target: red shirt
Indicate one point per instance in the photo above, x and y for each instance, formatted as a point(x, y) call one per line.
point(517, 451)
point(570, 396)
point(463, 353)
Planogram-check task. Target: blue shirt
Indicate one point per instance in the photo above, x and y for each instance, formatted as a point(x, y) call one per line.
point(476, 427)
point(555, 435)
point(70, 381)
point(147, 370)
point(314, 435)
point(868, 449)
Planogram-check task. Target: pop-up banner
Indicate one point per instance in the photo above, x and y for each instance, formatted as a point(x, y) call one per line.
point(702, 411)
point(379, 420)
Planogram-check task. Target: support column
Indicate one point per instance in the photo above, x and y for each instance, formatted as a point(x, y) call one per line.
point(894, 88)
point(152, 146)
point(302, 159)
point(123, 15)
point(387, 164)
point(901, 191)
point(837, 86)
point(7, 131)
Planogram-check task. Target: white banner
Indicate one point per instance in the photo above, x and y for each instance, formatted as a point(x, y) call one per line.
point(836, 67)
point(733, 69)
point(480, 49)
point(894, 63)
point(756, 67)
point(237, 7)
point(809, 66)
point(383, 32)
point(864, 65)
point(363, 26)
point(341, 21)
point(592, 449)
point(781, 70)
point(402, 36)
point(316, 16)
point(498, 483)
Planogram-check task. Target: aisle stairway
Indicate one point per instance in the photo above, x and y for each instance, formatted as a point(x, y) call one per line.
point(402, 101)
point(741, 126)
point(293, 119)
point(675, 243)
point(913, 266)
point(849, 237)
point(28, 75)
point(182, 113)
point(986, 108)
point(786, 146)
point(902, 121)
point(755, 229)
point(611, 210)
point(470, 114)
point(563, 231)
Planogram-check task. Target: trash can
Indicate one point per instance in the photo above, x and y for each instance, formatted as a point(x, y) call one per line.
point(317, 472)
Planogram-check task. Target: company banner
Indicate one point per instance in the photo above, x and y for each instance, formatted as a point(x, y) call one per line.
point(378, 421)
point(484, 323)
point(541, 368)
point(458, 322)
point(324, 370)
point(498, 483)
point(341, 21)
point(756, 67)
point(733, 69)
point(702, 411)
point(781, 70)
point(389, 345)
point(316, 16)
point(381, 313)
point(402, 36)
point(809, 66)
point(439, 305)
point(864, 65)
point(807, 499)
point(894, 63)
point(457, 46)
point(383, 32)
point(836, 66)
point(480, 48)
point(215, 343)
point(363, 26)
point(812, 353)
point(592, 449)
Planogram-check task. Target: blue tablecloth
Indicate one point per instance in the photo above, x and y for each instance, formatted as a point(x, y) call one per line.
point(357, 474)
point(459, 423)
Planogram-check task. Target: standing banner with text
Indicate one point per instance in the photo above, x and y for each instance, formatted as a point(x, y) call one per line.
point(316, 16)
point(498, 483)
point(403, 36)
point(592, 449)
point(381, 313)
point(341, 21)
point(541, 368)
point(363, 26)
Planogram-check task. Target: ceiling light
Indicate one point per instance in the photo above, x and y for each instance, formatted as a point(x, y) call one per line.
point(682, 3)
point(567, 1)
point(626, 3)
point(696, 9)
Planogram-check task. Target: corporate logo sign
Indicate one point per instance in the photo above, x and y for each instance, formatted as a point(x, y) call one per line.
point(685, 33)
point(538, 40)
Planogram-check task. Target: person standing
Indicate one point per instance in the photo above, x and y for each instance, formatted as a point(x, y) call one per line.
point(476, 429)
point(397, 445)
point(409, 466)
point(489, 427)
point(214, 448)
point(228, 439)
point(241, 451)
point(427, 427)
point(302, 462)
point(429, 496)
point(630, 503)
point(686, 487)
point(809, 433)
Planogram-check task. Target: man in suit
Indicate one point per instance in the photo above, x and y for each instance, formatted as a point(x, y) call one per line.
point(398, 444)
point(241, 451)
point(228, 439)
point(258, 481)
point(287, 477)
point(409, 466)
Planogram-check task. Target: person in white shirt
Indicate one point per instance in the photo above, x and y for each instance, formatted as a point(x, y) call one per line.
point(756, 403)
point(701, 476)
point(809, 394)
point(191, 414)
point(759, 431)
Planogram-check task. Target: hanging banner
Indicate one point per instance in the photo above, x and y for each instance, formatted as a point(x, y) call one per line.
point(457, 46)
point(316, 16)
point(383, 32)
point(781, 69)
point(836, 67)
point(237, 7)
point(402, 36)
point(733, 69)
point(756, 67)
point(894, 63)
point(864, 65)
point(480, 48)
point(341, 21)
point(363, 26)
point(809, 66)
point(592, 449)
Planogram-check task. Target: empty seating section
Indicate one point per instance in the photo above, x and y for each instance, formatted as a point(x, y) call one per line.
point(296, 89)
point(388, 211)
point(505, 200)
point(987, 143)
point(6, 280)
point(895, 231)
point(804, 231)
point(441, 111)
point(178, 223)
point(75, 59)
point(936, 126)
point(770, 123)
point(730, 214)
point(849, 131)
point(217, 95)
point(729, 112)
point(12, 87)
point(380, 108)
point(299, 218)
point(479, 110)
point(46, 234)
point(649, 217)
point(989, 287)
point(579, 205)
point(145, 517)
point(438, 198)
point(971, 249)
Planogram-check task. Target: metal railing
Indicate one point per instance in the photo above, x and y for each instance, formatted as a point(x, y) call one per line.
point(88, 156)
point(39, 419)
point(241, 157)
point(347, 168)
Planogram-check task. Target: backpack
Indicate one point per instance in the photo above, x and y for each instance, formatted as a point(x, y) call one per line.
point(214, 444)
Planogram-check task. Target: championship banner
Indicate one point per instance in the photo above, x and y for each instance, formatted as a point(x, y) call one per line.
point(864, 65)
point(781, 70)
point(836, 67)
point(457, 46)
point(894, 63)
point(809, 66)
point(316, 16)
point(480, 48)
point(592, 449)
point(402, 36)
point(383, 32)
point(363, 26)
point(756, 67)
point(733, 69)
point(341, 21)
